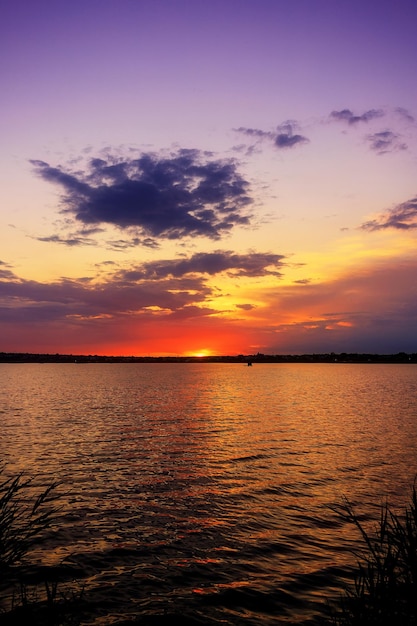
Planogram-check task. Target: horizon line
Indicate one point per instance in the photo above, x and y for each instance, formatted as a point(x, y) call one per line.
point(362, 357)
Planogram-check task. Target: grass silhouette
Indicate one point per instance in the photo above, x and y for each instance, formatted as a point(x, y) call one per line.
point(26, 516)
point(384, 591)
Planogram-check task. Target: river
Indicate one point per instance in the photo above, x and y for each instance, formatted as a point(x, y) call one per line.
point(207, 490)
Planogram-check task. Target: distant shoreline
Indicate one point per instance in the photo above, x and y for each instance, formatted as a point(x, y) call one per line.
point(343, 357)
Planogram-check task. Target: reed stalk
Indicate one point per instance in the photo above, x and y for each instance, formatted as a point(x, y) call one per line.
point(24, 516)
point(384, 590)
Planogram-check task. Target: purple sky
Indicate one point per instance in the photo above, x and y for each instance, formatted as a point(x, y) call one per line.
point(198, 177)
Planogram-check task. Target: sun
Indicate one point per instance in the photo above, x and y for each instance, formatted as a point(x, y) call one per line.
point(200, 353)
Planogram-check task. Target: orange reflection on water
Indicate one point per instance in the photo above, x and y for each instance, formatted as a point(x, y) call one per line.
point(211, 476)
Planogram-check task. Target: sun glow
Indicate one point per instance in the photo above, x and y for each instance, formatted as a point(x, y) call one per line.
point(200, 353)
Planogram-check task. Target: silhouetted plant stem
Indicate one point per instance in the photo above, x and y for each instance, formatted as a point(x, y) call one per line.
point(384, 592)
point(24, 516)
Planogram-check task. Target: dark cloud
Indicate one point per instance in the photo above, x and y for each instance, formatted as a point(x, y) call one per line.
point(74, 301)
point(401, 217)
point(346, 115)
point(373, 310)
point(211, 263)
point(385, 141)
point(176, 287)
point(288, 140)
point(283, 137)
point(184, 194)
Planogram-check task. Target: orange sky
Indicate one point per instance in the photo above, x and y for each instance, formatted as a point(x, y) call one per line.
point(200, 188)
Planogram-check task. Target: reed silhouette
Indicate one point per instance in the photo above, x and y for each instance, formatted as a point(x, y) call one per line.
point(26, 516)
point(384, 590)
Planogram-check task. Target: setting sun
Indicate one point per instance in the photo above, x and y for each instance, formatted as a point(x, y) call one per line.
point(200, 353)
point(253, 220)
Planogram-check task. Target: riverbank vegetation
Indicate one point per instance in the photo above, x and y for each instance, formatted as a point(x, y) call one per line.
point(28, 514)
point(383, 592)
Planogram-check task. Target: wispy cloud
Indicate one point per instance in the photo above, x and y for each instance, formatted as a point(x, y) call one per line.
point(346, 314)
point(284, 137)
point(256, 133)
point(347, 116)
point(68, 241)
point(405, 114)
point(385, 141)
point(401, 217)
point(6, 272)
point(180, 195)
point(134, 242)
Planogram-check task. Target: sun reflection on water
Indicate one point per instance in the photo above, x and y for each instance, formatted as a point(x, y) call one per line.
point(211, 477)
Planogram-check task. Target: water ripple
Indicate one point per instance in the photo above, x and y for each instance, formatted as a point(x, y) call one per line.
point(209, 492)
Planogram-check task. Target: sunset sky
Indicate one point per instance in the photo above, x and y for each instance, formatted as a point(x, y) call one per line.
point(184, 177)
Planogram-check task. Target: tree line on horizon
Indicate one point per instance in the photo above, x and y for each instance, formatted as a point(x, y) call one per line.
point(332, 357)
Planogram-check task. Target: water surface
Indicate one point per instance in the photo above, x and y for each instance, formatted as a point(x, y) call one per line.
point(206, 489)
